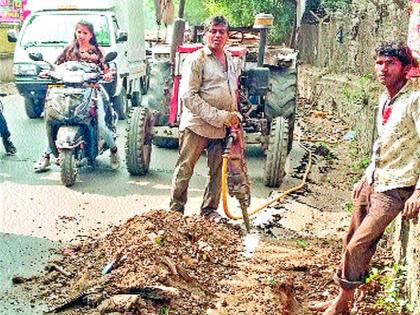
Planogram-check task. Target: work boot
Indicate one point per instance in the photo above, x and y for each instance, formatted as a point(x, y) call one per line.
point(9, 147)
point(115, 158)
point(43, 164)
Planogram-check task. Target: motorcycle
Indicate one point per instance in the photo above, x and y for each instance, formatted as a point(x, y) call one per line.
point(72, 101)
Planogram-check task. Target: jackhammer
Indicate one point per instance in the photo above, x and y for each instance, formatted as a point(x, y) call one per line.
point(234, 170)
point(234, 165)
point(235, 178)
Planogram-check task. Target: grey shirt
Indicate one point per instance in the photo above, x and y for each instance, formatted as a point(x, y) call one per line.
point(207, 93)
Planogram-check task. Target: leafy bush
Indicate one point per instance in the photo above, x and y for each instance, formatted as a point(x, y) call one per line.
point(334, 6)
point(242, 13)
point(359, 91)
point(330, 6)
point(393, 298)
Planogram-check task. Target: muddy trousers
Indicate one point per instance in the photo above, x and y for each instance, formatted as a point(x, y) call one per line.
point(374, 211)
point(4, 131)
point(191, 147)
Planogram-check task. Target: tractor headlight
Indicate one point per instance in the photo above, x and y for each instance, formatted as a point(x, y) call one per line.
point(22, 69)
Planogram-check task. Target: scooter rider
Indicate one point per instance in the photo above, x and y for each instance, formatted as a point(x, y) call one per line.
point(83, 48)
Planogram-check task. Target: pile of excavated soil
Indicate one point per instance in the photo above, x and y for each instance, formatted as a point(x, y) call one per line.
point(156, 262)
point(164, 263)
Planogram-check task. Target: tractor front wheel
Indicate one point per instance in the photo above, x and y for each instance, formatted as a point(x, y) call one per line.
point(281, 98)
point(274, 168)
point(138, 148)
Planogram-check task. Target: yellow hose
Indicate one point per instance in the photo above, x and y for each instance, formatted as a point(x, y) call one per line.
point(224, 186)
point(277, 199)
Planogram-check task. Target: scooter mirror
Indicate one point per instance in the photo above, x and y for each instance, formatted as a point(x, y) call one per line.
point(36, 56)
point(122, 37)
point(12, 35)
point(110, 56)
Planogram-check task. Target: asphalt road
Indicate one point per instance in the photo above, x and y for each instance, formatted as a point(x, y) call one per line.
point(38, 213)
point(34, 204)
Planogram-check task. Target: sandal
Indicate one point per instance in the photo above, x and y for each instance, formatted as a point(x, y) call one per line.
point(43, 164)
point(115, 159)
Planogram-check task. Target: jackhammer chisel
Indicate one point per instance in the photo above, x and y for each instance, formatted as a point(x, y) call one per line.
point(234, 165)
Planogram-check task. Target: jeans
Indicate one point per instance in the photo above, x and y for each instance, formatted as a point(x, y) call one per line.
point(51, 127)
point(4, 131)
point(108, 135)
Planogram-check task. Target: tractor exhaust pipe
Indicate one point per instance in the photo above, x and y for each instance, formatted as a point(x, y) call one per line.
point(263, 22)
point(179, 30)
point(261, 47)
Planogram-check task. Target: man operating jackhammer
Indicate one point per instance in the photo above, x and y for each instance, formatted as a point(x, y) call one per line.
point(391, 183)
point(207, 92)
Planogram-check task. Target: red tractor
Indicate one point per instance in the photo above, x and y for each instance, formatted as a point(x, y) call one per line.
point(266, 99)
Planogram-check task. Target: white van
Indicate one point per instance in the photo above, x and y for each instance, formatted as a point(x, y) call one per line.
point(119, 26)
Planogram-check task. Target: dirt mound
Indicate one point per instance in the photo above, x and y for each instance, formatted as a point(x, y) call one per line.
point(152, 263)
point(165, 263)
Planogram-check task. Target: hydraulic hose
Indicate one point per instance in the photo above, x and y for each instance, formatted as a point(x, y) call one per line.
point(277, 199)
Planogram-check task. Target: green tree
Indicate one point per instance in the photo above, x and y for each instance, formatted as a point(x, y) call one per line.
point(242, 13)
point(328, 6)
point(335, 6)
point(195, 12)
point(149, 14)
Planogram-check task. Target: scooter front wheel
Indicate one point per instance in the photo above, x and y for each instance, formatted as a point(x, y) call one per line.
point(68, 167)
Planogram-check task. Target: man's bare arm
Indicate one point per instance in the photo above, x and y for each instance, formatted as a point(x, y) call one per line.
point(412, 206)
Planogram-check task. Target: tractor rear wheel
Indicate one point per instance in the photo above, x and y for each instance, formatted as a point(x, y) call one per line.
point(274, 168)
point(281, 98)
point(138, 148)
point(160, 88)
